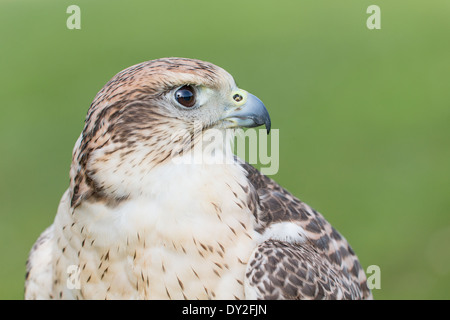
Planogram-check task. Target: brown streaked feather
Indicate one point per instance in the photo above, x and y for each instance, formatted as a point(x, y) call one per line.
point(285, 271)
point(324, 267)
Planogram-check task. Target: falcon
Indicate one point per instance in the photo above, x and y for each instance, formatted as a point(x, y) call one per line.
point(135, 224)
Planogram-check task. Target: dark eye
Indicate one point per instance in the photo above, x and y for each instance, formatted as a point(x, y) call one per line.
point(237, 97)
point(185, 96)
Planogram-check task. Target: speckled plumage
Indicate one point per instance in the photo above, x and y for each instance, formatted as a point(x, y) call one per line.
point(136, 225)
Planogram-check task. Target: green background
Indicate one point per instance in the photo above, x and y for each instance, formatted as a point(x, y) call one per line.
point(363, 115)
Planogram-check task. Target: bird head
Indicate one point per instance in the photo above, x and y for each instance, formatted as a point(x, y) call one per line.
point(147, 111)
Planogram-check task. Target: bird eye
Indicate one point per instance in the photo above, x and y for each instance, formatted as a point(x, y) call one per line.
point(185, 96)
point(237, 97)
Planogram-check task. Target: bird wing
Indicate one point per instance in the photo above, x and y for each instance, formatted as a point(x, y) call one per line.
point(38, 282)
point(47, 273)
point(300, 255)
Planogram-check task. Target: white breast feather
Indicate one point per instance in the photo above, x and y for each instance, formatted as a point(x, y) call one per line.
point(190, 236)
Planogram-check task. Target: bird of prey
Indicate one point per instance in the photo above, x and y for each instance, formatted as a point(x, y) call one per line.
point(135, 224)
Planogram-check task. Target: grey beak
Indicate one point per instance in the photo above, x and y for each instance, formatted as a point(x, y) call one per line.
point(252, 114)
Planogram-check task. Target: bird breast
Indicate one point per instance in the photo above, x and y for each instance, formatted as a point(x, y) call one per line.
point(189, 237)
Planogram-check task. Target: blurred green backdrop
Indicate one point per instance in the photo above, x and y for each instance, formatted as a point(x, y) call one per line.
point(364, 115)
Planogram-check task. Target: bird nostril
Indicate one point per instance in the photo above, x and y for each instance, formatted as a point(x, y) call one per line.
point(237, 97)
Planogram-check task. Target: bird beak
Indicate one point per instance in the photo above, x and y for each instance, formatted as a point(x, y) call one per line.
point(248, 114)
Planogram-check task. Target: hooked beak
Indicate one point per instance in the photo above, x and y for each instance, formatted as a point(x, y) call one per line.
point(252, 113)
